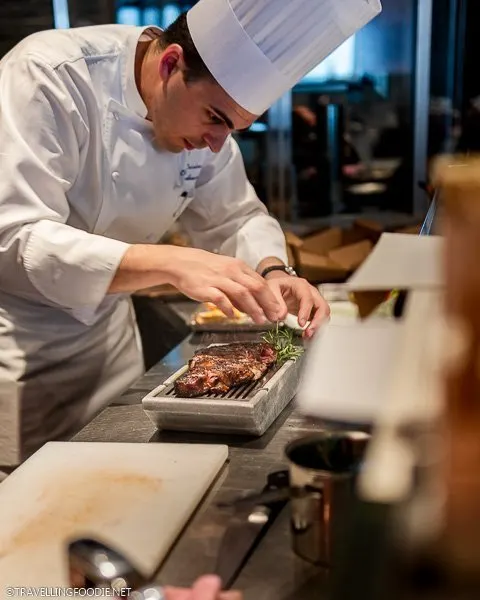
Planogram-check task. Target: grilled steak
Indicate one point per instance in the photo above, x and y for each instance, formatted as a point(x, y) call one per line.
point(220, 368)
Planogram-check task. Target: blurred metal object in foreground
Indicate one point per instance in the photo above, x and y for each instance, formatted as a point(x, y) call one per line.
point(95, 566)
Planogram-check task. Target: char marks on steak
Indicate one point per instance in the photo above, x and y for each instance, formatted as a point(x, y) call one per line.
point(219, 368)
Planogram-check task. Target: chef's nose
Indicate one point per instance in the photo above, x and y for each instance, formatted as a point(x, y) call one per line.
point(215, 141)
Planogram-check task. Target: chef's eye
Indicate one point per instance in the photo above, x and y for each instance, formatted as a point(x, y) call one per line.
point(214, 119)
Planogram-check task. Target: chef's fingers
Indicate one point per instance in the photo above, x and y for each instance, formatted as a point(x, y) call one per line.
point(187, 595)
point(177, 593)
point(271, 302)
point(231, 596)
point(276, 289)
point(241, 297)
point(249, 271)
point(220, 300)
point(206, 588)
point(282, 312)
point(303, 292)
point(299, 293)
point(321, 311)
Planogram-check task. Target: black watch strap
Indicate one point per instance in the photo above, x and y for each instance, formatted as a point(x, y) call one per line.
point(283, 268)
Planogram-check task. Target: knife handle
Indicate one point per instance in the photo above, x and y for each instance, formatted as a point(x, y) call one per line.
point(274, 492)
point(278, 480)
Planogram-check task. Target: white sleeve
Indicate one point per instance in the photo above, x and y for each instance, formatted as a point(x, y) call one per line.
point(226, 215)
point(42, 133)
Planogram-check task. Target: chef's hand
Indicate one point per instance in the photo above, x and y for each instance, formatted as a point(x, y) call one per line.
point(205, 588)
point(301, 298)
point(227, 282)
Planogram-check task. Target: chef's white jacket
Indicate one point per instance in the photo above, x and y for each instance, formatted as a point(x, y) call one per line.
point(81, 180)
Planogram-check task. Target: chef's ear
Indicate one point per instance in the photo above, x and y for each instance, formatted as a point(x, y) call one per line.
point(170, 60)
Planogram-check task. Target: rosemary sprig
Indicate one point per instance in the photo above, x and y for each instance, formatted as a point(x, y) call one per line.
point(281, 338)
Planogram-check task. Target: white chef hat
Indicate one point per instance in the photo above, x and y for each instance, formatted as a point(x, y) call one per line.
point(258, 49)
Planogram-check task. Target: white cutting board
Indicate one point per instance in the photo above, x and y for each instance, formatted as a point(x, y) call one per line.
point(135, 497)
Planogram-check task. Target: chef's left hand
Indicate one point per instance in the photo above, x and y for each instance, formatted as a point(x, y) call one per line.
point(301, 298)
point(207, 587)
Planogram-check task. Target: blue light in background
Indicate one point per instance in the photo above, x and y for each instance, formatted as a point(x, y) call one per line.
point(339, 65)
point(170, 14)
point(129, 15)
point(258, 127)
point(61, 17)
point(152, 15)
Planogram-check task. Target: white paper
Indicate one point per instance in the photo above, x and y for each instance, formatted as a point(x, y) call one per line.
point(348, 369)
point(401, 261)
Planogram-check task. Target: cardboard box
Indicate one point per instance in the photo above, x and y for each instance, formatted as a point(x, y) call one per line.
point(293, 245)
point(334, 254)
point(352, 256)
point(369, 228)
point(329, 255)
point(411, 230)
point(373, 230)
point(317, 268)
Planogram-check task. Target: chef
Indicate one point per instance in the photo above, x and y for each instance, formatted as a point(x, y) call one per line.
point(109, 135)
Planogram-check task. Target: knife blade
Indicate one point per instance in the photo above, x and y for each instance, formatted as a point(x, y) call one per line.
point(247, 527)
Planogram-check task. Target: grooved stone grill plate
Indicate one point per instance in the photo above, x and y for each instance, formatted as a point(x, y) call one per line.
point(247, 409)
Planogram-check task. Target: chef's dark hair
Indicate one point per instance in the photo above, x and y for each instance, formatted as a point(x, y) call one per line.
point(178, 33)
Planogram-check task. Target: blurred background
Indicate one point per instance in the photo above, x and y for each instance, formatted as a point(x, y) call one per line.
point(355, 136)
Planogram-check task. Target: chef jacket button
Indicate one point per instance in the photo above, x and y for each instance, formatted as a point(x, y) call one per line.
point(182, 173)
point(115, 175)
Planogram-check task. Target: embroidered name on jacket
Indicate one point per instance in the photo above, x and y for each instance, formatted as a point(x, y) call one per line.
point(191, 172)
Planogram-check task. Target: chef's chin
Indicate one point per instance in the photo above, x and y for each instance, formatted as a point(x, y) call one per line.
point(174, 148)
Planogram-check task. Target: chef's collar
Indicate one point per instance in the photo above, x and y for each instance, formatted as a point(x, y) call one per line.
point(132, 97)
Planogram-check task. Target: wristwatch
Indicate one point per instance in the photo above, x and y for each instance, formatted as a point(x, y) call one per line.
point(288, 270)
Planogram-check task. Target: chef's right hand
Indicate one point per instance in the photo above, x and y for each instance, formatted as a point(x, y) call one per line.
point(225, 281)
point(205, 588)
